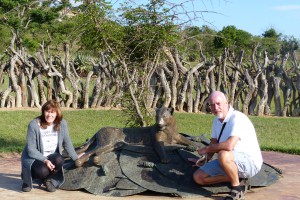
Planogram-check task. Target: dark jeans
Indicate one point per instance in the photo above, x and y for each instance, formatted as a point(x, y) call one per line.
point(39, 169)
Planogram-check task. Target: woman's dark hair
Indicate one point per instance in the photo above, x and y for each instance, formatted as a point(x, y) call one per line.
point(51, 105)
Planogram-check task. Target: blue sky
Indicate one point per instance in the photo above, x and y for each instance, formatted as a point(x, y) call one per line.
point(253, 16)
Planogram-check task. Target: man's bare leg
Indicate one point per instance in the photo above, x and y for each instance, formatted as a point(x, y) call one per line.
point(226, 160)
point(201, 178)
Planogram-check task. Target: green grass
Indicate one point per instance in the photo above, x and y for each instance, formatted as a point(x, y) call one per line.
point(278, 133)
point(274, 133)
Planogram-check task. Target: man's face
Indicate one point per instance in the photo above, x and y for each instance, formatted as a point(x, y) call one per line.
point(218, 106)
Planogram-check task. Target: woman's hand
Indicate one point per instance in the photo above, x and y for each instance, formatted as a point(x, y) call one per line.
point(49, 165)
point(81, 155)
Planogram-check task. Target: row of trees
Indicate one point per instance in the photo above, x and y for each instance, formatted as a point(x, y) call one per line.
point(138, 57)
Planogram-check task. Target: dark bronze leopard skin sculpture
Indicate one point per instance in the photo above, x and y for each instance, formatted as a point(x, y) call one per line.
point(163, 133)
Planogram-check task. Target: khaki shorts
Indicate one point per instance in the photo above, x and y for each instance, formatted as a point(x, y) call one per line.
point(246, 167)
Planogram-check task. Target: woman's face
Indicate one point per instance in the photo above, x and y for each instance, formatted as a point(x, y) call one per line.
point(50, 116)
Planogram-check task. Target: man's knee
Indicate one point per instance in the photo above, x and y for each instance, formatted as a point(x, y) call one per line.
point(225, 156)
point(198, 177)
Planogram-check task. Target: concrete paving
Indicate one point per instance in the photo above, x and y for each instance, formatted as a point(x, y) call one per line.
point(287, 188)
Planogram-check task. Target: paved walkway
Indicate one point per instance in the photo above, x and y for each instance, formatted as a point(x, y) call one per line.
point(287, 188)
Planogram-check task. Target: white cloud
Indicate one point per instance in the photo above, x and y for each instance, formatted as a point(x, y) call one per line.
point(287, 7)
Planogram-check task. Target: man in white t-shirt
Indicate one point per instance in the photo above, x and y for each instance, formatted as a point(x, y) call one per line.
point(234, 138)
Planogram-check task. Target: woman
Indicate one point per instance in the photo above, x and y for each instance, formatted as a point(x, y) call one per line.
point(47, 136)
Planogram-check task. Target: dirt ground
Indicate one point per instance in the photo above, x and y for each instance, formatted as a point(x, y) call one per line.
point(287, 188)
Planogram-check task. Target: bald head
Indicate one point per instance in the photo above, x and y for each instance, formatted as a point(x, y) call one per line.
point(218, 104)
point(217, 94)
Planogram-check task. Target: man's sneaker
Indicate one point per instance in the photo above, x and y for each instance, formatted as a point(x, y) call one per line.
point(49, 185)
point(235, 195)
point(245, 184)
point(26, 188)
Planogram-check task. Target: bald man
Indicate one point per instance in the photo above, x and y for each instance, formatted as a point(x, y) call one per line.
point(234, 138)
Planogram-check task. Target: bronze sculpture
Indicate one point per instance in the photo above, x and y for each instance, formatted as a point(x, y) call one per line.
point(132, 165)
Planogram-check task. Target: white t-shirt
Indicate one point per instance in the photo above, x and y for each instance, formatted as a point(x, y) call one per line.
point(49, 139)
point(238, 124)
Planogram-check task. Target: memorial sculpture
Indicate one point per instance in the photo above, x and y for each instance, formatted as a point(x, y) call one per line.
point(128, 161)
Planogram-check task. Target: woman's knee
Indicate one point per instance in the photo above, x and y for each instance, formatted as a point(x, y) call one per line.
point(40, 172)
point(60, 159)
point(57, 159)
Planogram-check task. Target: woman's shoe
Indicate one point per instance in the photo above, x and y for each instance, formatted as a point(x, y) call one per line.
point(49, 185)
point(26, 188)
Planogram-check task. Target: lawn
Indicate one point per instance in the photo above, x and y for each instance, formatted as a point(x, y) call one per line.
point(274, 133)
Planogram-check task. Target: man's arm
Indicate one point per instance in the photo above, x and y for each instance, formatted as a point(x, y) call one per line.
point(211, 154)
point(215, 147)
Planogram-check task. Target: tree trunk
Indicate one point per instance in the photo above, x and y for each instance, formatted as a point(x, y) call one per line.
point(188, 77)
point(136, 104)
point(251, 90)
point(190, 95)
point(277, 101)
point(198, 92)
point(157, 95)
point(263, 95)
point(2, 65)
point(11, 102)
point(60, 84)
point(287, 91)
point(72, 77)
point(68, 93)
point(151, 91)
point(287, 87)
point(34, 99)
point(15, 87)
point(23, 88)
point(209, 80)
point(104, 91)
point(40, 83)
point(174, 79)
point(165, 86)
point(222, 76)
point(263, 88)
point(5, 96)
point(235, 79)
point(86, 90)
point(151, 81)
point(117, 96)
point(96, 91)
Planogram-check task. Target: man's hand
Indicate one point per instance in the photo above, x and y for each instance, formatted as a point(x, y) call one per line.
point(198, 162)
point(193, 160)
point(201, 161)
point(202, 151)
